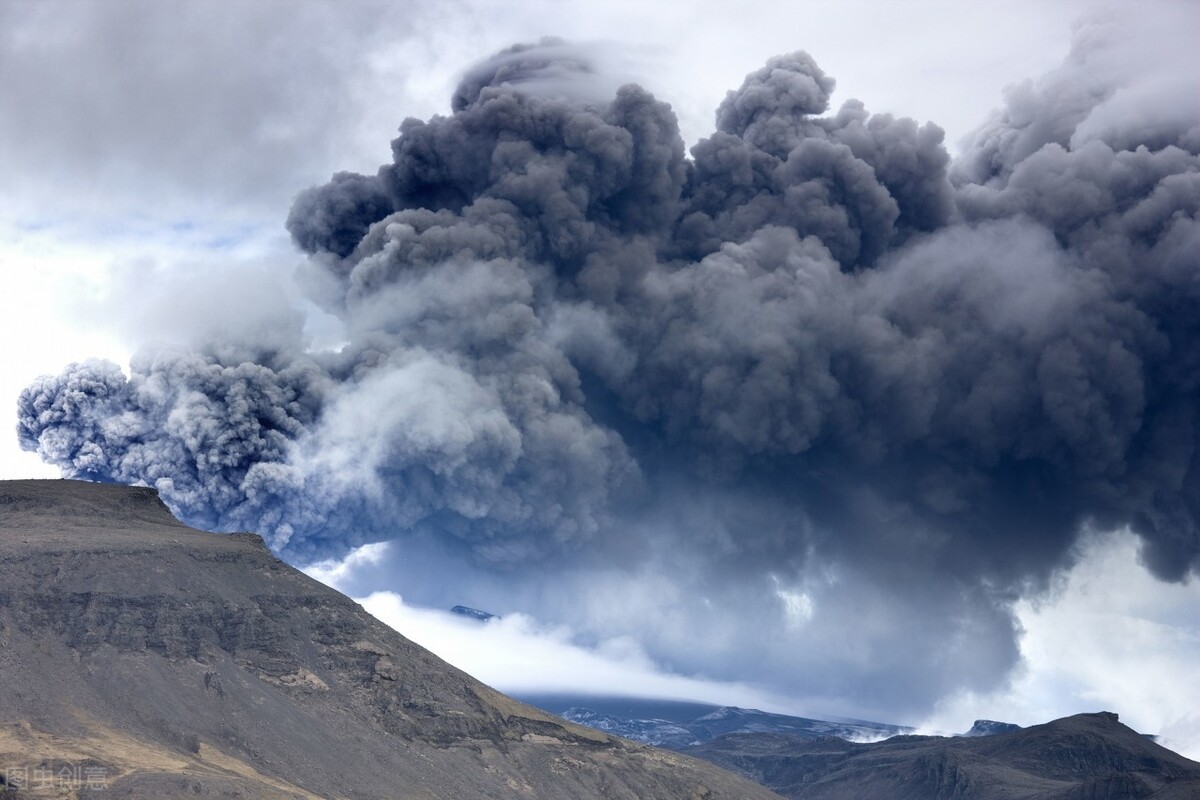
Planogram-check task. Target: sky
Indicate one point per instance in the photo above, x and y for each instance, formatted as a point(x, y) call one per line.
point(837, 413)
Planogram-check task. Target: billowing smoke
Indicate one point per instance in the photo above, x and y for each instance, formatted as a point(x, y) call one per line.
point(814, 352)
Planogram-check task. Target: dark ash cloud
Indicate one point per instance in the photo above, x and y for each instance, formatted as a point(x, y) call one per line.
point(815, 372)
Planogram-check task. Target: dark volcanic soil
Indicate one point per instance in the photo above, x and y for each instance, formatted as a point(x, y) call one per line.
point(163, 662)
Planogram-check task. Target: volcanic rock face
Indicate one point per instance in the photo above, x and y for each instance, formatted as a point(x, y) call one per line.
point(140, 658)
point(1084, 757)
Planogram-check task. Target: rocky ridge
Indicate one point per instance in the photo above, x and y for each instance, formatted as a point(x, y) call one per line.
point(1083, 757)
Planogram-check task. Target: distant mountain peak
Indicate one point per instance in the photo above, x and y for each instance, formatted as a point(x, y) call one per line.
point(473, 613)
point(723, 721)
point(1081, 756)
point(990, 727)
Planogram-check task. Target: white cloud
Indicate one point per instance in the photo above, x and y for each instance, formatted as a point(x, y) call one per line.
point(1107, 636)
point(335, 573)
point(797, 604)
point(46, 277)
point(519, 654)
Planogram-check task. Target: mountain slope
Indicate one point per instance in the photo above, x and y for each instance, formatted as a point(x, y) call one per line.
point(1084, 757)
point(157, 661)
point(721, 721)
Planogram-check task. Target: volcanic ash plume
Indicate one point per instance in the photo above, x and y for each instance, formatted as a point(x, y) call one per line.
point(562, 331)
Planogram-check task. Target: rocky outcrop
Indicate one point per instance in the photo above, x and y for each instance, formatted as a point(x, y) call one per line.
point(990, 727)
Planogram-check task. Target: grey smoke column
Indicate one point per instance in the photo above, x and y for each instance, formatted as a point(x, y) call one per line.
point(562, 330)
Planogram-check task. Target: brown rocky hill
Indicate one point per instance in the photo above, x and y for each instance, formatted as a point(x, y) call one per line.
point(140, 658)
point(1084, 757)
